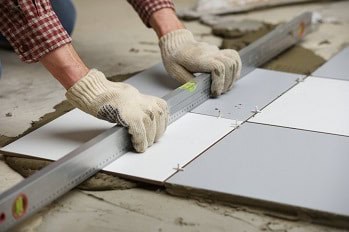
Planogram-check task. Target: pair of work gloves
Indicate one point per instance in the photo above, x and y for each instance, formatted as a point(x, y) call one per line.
point(146, 117)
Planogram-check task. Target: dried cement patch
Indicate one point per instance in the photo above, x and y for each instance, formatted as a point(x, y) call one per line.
point(8, 178)
point(244, 39)
point(98, 182)
point(233, 29)
point(28, 166)
point(295, 60)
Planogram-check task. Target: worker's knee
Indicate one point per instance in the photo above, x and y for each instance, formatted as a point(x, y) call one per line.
point(66, 13)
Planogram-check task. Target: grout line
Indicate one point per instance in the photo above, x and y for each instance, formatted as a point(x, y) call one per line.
point(329, 78)
point(279, 96)
point(304, 77)
point(299, 129)
point(201, 153)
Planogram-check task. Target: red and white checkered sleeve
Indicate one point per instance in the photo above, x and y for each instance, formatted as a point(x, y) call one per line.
point(32, 28)
point(145, 8)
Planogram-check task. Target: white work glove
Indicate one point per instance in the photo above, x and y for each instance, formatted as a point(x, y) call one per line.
point(144, 116)
point(182, 56)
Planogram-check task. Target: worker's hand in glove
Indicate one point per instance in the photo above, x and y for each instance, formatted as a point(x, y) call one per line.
point(144, 116)
point(183, 55)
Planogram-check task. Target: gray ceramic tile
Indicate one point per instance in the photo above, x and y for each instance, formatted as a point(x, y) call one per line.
point(282, 165)
point(154, 81)
point(336, 68)
point(258, 88)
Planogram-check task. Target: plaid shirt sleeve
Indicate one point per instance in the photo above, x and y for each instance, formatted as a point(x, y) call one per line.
point(32, 28)
point(145, 8)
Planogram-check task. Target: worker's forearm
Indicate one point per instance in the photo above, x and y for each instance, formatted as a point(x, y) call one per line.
point(65, 65)
point(164, 21)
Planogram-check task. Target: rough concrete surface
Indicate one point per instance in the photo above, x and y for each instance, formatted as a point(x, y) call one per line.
point(113, 39)
point(333, 26)
point(204, 7)
point(149, 210)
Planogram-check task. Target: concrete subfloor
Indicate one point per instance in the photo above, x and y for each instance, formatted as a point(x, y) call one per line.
point(111, 37)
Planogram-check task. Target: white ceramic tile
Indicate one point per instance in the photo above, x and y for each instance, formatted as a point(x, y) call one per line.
point(258, 88)
point(184, 139)
point(59, 137)
point(337, 67)
point(317, 104)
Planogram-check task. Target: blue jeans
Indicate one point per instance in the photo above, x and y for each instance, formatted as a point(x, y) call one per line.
point(66, 13)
